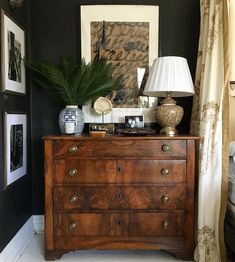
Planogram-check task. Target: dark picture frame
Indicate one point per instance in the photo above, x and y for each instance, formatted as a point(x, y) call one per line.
point(15, 149)
point(134, 121)
point(12, 52)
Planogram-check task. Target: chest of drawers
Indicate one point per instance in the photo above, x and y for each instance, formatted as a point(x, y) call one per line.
point(119, 193)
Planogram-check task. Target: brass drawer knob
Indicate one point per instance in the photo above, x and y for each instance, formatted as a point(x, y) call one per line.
point(164, 224)
point(165, 199)
point(73, 199)
point(73, 171)
point(72, 225)
point(165, 171)
point(166, 148)
point(73, 149)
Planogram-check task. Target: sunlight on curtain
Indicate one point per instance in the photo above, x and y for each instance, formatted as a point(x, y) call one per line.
point(232, 78)
point(232, 39)
point(210, 122)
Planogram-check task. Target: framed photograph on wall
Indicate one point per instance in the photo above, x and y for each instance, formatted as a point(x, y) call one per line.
point(15, 130)
point(127, 37)
point(12, 52)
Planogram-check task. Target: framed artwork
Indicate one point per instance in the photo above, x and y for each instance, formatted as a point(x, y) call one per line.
point(14, 147)
point(134, 121)
point(12, 52)
point(127, 37)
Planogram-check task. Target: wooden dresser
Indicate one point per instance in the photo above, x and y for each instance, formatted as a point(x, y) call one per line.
point(119, 193)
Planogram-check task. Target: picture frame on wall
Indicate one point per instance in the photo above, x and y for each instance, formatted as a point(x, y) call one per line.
point(12, 52)
point(15, 147)
point(127, 37)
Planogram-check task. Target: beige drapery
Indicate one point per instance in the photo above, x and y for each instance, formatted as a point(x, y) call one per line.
point(232, 52)
point(210, 122)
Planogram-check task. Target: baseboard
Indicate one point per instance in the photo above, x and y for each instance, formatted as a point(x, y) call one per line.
point(16, 246)
point(38, 221)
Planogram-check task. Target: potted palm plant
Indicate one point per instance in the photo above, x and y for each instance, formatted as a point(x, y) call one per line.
point(73, 85)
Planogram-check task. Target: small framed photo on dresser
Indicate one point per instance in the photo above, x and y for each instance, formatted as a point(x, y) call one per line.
point(134, 121)
point(12, 52)
point(15, 130)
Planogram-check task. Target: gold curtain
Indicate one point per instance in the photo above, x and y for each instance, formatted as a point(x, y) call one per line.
point(210, 121)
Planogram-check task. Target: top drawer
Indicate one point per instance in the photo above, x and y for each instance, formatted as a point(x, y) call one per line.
point(119, 148)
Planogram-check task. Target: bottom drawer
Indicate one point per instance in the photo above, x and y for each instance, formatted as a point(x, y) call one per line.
point(119, 224)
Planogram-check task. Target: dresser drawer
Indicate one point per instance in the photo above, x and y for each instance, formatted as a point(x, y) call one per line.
point(110, 198)
point(119, 148)
point(119, 224)
point(119, 171)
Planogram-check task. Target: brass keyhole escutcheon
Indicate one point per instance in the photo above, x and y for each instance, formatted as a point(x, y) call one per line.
point(72, 225)
point(165, 171)
point(73, 149)
point(73, 199)
point(165, 199)
point(120, 195)
point(166, 148)
point(164, 224)
point(73, 171)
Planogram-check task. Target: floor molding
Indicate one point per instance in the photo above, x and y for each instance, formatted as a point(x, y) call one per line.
point(38, 221)
point(16, 246)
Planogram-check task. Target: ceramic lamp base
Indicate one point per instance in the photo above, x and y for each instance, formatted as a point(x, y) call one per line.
point(168, 116)
point(71, 120)
point(169, 131)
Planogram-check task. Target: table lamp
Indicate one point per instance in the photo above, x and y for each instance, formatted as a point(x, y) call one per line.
point(169, 77)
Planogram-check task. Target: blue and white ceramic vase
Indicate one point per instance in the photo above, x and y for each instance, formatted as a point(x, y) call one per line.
point(71, 120)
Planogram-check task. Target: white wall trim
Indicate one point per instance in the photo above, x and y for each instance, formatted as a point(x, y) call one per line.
point(38, 221)
point(16, 246)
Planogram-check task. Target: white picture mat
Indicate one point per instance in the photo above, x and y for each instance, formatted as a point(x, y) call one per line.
point(119, 13)
point(9, 120)
point(10, 85)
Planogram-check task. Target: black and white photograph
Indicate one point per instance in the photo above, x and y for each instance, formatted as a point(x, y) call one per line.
point(12, 53)
point(16, 140)
point(15, 147)
point(134, 121)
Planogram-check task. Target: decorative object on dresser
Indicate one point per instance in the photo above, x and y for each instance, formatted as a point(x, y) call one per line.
point(169, 76)
point(136, 131)
point(134, 121)
point(119, 192)
point(12, 52)
point(102, 106)
point(71, 84)
point(71, 120)
point(109, 128)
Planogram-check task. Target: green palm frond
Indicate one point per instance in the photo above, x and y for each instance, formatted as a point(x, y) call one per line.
point(75, 84)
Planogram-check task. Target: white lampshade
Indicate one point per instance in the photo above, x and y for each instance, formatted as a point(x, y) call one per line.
point(169, 74)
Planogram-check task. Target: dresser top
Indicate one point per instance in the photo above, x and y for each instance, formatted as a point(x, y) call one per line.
point(120, 137)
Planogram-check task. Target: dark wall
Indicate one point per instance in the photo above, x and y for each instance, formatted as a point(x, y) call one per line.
point(54, 31)
point(16, 200)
